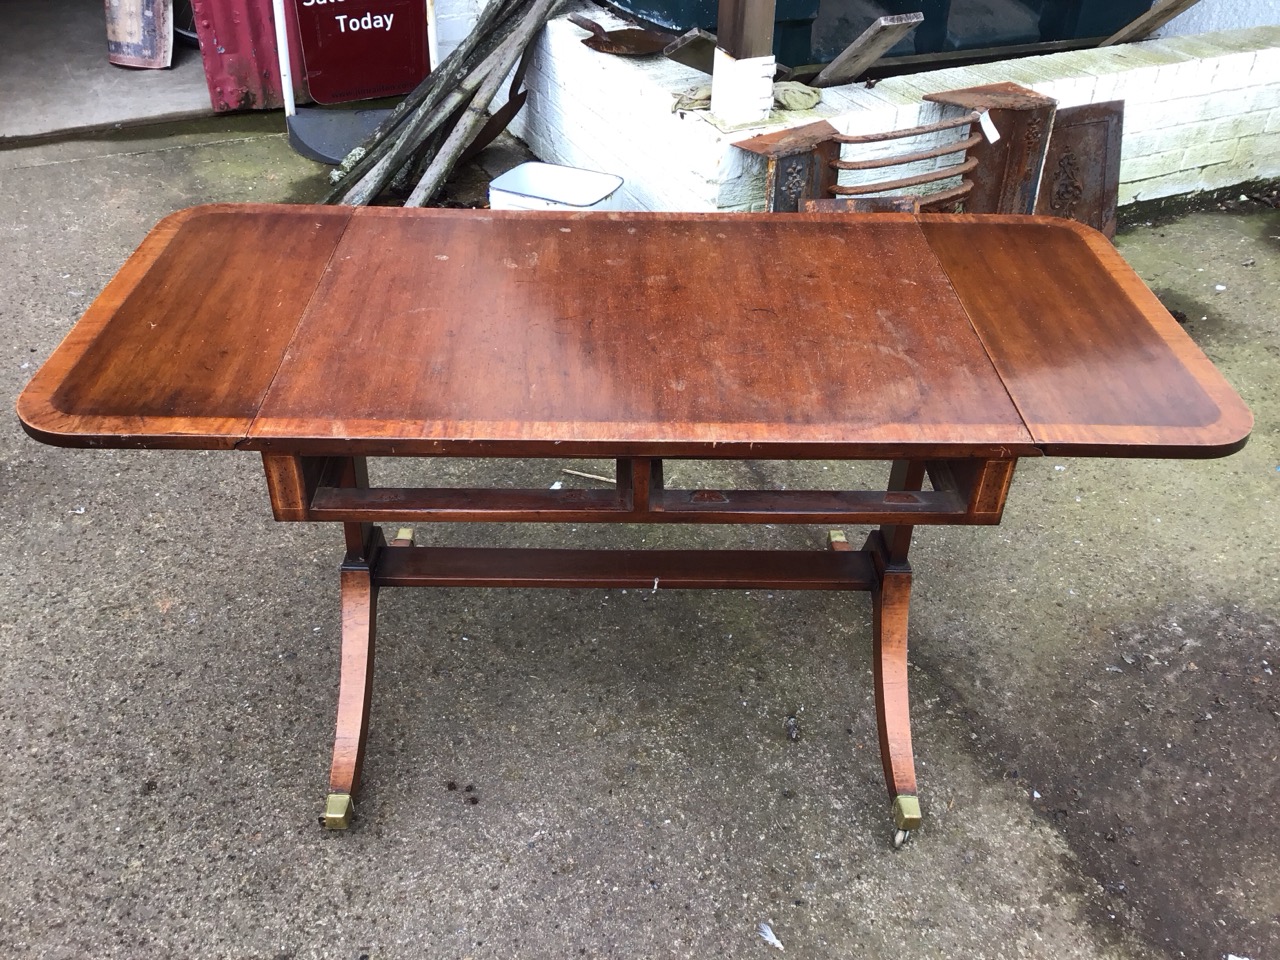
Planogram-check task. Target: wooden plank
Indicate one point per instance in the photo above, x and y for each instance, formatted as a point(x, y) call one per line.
point(642, 569)
point(870, 46)
point(566, 335)
point(696, 49)
point(454, 505)
point(1043, 294)
point(789, 142)
point(178, 350)
point(1152, 20)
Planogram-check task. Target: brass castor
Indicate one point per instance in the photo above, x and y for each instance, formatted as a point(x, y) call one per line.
point(906, 817)
point(338, 811)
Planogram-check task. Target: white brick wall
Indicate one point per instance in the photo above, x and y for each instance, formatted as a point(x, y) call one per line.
point(1201, 112)
point(1197, 109)
point(454, 20)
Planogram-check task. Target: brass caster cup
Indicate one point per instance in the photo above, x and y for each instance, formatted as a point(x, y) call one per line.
point(906, 812)
point(338, 811)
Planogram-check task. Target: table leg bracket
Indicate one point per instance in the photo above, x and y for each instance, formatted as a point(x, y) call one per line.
point(880, 567)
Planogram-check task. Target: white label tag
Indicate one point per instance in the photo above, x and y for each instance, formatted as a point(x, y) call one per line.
point(988, 127)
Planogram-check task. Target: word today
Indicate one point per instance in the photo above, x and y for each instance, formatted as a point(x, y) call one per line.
point(348, 24)
point(369, 21)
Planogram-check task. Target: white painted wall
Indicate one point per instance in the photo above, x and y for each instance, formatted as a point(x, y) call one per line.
point(454, 20)
point(1208, 16)
point(1201, 113)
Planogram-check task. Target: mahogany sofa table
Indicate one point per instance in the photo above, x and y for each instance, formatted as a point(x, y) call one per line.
point(321, 336)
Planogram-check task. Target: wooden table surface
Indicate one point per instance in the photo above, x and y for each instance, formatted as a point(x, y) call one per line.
point(314, 330)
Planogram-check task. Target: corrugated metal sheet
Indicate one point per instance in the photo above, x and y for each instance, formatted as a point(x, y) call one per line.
point(237, 42)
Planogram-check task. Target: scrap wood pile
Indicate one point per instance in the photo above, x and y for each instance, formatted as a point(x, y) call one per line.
point(427, 134)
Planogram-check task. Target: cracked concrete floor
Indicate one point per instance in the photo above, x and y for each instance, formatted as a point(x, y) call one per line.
point(1094, 699)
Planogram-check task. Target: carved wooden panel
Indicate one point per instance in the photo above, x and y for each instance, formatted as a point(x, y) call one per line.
point(1081, 179)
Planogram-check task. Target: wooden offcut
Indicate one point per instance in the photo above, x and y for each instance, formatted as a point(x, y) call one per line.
point(1152, 20)
point(874, 43)
point(696, 49)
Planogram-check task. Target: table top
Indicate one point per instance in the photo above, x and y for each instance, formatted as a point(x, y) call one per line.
point(331, 330)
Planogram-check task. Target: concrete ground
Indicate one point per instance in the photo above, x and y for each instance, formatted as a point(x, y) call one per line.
point(56, 77)
point(1095, 700)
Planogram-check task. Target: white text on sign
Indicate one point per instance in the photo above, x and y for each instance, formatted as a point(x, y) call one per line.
point(346, 24)
point(370, 21)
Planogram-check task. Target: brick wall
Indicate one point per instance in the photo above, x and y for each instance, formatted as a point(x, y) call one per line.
point(454, 20)
point(1201, 112)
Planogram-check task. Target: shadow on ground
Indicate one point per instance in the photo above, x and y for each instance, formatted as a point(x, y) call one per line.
point(1155, 760)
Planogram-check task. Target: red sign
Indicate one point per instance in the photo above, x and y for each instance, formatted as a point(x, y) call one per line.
point(362, 49)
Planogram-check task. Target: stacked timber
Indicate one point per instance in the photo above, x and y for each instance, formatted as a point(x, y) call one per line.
point(424, 137)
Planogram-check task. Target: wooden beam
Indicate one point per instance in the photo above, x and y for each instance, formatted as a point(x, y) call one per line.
point(639, 569)
point(696, 49)
point(1153, 19)
point(789, 142)
point(744, 28)
point(874, 43)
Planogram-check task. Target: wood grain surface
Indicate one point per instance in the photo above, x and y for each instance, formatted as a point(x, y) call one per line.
point(1094, 362)
point(681, 331)
point(180, 347)
point(391, 331)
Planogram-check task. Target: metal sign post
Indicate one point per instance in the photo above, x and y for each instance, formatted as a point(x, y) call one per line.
point(351, 50)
